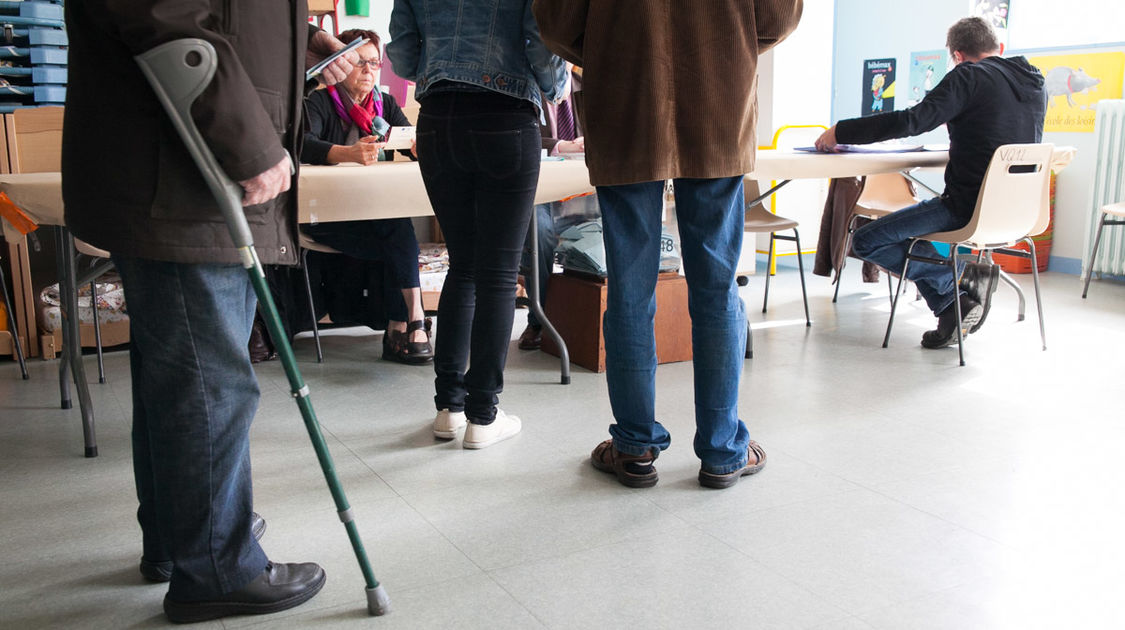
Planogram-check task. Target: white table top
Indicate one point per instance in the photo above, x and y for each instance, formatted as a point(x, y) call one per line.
point(781, 164)
point(394, 189)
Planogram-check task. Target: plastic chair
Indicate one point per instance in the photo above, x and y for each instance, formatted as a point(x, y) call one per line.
point(760, 220)
point(100, 261)
point(1108, 211)
point(1012, 205)
point(882, 194)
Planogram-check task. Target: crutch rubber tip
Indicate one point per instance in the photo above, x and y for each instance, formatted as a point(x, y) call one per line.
point(91, 451)
point(378, 603)
point(565, 380)
point(66, 404)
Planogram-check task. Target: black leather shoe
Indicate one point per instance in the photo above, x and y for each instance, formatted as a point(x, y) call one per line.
point(531, 338)
point(162, 571)
point(279, 587)
point(946, 333)
point(979, 281)
point(398, 347)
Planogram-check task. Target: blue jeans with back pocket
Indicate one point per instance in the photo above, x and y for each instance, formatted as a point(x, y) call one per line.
point(479, 156)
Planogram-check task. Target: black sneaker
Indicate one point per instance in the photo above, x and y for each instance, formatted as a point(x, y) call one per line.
point(946, 333)
point(979, 282)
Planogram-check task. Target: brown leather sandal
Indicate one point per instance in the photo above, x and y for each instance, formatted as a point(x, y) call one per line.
point(635, 471)
point(714, 480)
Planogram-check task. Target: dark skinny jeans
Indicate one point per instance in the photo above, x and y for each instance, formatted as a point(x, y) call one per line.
point(479, 157)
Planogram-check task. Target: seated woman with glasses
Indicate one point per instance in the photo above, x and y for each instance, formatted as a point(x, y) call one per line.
point(343, 127)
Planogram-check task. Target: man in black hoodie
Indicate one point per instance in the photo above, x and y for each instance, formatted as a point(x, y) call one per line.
point(986, 101)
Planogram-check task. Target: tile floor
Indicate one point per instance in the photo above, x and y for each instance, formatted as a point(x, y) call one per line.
point(903, 491)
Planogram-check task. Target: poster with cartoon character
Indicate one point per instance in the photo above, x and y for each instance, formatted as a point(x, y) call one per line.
point(996, 12)
point(878, 86)
point(1075, 84)
point(927, 69)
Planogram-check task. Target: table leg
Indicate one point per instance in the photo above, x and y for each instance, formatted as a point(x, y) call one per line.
point(537, 308)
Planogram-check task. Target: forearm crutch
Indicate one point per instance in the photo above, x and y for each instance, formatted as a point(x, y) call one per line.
point(178, 72)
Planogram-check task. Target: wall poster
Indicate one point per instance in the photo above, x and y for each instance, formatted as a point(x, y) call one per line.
point(927, 69)
point(878, 86)
point(996, 12)
point(1075, 84)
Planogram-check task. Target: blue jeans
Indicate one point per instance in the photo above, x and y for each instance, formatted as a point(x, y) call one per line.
point(553, 219)
point(479, 157)
point(194, 395)
point(710, 216)
point(884, 242)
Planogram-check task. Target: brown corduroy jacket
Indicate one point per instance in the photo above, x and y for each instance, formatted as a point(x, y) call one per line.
point(669, 86)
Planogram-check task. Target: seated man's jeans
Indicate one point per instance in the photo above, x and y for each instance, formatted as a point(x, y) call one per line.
point(194, 395)
point(553, 219)
point(885, 240)
point(710, 217)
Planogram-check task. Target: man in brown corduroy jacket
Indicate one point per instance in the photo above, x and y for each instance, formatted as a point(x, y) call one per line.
point(670, 92)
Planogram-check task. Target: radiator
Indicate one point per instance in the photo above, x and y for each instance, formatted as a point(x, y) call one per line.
point(1109, 187)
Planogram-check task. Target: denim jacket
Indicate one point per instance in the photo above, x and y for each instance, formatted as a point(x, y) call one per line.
point(493, 44)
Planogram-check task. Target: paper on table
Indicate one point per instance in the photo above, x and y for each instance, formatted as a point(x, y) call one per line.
point(400, 138)
point(878, 147)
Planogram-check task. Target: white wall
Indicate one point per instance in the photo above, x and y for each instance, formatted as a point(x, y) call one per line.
point(795, 88)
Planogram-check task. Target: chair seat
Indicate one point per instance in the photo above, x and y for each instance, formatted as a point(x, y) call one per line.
point(758, 219)
point(1116, 209)
point(90, 250)
point(307, 243)
point(875, 209)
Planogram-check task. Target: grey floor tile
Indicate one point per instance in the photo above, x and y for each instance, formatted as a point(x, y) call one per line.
point(674, 580)
point(902, 491)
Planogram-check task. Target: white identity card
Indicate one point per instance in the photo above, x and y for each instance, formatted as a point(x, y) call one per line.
point(400, 138)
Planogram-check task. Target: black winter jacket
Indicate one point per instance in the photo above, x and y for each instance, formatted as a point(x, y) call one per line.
point(129, 184)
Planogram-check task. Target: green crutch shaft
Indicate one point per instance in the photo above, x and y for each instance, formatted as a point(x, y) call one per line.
point(178, 71)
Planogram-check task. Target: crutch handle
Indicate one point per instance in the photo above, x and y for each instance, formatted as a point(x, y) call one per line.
point(179, 71)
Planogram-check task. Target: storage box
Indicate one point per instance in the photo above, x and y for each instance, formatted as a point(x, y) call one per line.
point(576, 307)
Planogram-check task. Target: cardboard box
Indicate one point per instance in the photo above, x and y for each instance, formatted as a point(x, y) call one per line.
point(576, 307)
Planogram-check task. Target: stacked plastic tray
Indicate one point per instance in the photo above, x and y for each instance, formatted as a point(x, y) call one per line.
point(32, 54)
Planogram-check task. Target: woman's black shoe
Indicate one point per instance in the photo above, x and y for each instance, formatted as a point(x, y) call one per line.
point(398, 347)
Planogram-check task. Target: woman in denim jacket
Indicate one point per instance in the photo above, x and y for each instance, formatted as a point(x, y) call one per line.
point(479, 66)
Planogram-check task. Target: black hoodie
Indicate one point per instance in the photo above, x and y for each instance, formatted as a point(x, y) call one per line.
point(985, 104)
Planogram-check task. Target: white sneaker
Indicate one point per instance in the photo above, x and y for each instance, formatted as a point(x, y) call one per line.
point(482, 435)
point(447, 423)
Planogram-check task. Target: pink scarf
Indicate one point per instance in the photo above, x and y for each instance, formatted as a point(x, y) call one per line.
point(360, 114)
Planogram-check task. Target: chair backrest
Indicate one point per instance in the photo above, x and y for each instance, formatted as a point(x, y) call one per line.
point(887, 191)
point(35, 139)
point(1013, 196)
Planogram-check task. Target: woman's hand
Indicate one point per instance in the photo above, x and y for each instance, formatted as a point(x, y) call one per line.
point(365, 151)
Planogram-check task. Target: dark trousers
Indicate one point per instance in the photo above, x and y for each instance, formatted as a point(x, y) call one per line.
point(479, 157)
point(389, 241)
point(194, 395)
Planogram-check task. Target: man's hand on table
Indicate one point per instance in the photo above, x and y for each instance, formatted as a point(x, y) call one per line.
point(826, 143)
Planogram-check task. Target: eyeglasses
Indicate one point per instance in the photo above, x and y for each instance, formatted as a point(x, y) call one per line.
point(374, 64)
